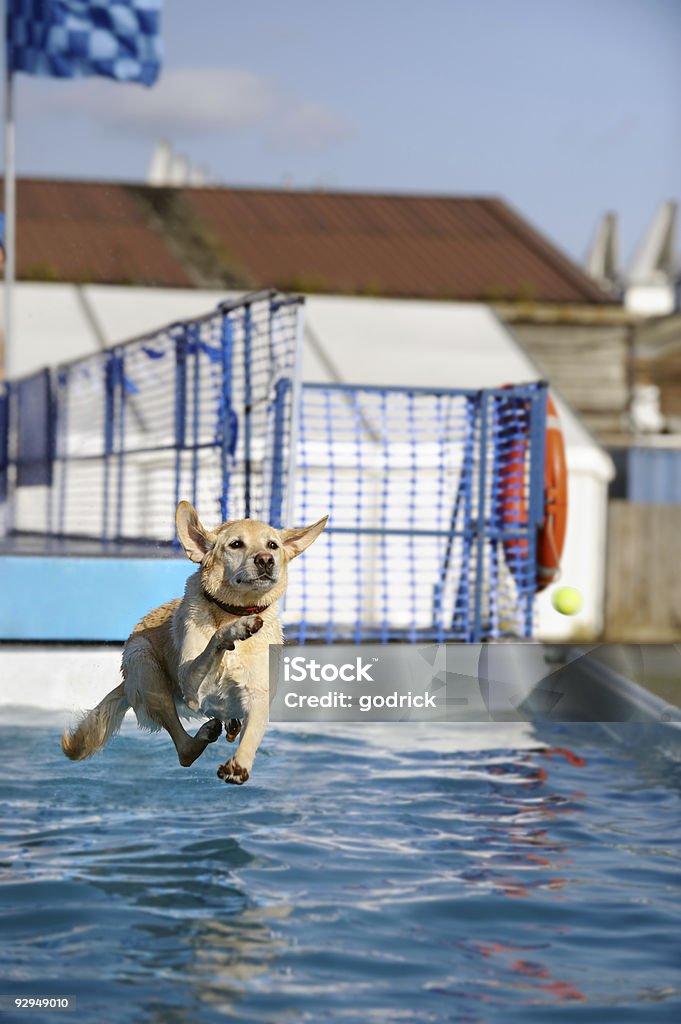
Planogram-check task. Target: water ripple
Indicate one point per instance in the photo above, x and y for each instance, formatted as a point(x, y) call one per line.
point(350, 881)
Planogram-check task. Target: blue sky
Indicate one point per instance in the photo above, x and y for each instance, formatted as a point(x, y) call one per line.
point(565, 109)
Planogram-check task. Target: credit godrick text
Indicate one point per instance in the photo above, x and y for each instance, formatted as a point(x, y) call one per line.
point(365, 701)
point(300, 669)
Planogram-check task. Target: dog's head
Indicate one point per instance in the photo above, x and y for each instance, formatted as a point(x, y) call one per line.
point(243, 561)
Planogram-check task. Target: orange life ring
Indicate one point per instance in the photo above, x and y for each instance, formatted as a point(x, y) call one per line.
point(551, 533)
point(514, 507)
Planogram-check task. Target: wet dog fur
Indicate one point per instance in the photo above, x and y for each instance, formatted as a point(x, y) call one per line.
point(195, 658)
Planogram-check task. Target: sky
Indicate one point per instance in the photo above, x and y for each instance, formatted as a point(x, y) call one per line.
point(564, 109)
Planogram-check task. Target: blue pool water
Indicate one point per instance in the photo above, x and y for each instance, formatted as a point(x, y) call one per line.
point(377, 877)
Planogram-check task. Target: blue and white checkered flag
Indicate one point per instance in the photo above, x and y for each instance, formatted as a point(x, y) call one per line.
point(70, 38)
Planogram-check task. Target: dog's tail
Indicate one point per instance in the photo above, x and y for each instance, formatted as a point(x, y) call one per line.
point(96, 726)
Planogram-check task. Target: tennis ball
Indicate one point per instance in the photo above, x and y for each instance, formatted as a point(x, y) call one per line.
point(567, 600)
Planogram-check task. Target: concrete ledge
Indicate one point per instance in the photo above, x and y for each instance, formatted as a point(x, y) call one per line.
point(52, 683)
point(57, 678)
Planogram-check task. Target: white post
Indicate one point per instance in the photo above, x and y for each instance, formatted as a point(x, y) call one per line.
point(10, 220)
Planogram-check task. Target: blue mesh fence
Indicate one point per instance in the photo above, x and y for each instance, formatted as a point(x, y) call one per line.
point(198, 410)
point(434, 498)
point(434, 495)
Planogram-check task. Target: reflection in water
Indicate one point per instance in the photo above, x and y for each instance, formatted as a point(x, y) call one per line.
point(216, 958)
point(350, 881)
point(531, 804)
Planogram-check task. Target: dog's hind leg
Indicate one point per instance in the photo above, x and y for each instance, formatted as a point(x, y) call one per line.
point(188, 747)
point(150, 693)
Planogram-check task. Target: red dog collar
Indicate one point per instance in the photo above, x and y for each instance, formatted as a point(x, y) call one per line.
point(235, 609)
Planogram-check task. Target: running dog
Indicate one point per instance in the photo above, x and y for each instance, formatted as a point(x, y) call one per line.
point(205, 654)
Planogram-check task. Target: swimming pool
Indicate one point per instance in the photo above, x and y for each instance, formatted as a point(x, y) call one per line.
point(373, 874)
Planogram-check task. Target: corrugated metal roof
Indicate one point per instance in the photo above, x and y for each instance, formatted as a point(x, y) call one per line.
point(85, 231)
point(434, 247)
point(393, 245)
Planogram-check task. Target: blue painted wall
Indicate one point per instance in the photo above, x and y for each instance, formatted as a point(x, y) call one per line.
point(43, 598)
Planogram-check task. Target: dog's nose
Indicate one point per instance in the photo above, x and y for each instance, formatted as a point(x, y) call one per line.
point(264, 561)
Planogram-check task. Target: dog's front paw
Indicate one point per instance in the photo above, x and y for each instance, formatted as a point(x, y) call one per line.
point(247, 627)
point(242, 629)
point(233, 772)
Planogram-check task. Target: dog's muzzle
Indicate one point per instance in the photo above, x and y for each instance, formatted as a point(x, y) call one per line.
point(266, 571)
point(264, 563)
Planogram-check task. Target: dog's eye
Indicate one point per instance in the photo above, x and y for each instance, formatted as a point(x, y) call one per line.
point(272, 544)
point(236, 544)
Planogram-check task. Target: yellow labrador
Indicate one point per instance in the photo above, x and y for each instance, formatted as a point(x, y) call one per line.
point(206, 653)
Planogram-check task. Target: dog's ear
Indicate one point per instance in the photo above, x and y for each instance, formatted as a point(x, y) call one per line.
point(295, 541)
point(194, 538)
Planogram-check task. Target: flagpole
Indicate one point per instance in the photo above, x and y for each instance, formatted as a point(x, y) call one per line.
point(10, 219)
